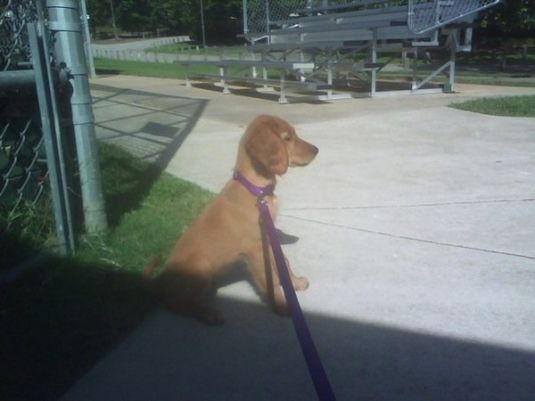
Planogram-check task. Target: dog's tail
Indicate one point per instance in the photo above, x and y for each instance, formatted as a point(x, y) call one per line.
point(148, 273)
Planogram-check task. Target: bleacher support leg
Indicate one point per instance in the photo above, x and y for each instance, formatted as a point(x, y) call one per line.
point(330, 81)
point(188, 81)
point(373, 83)
point(414, 66)
point(223, 82)
point(222, 75)
point(282, 94)
point(265, 77)
point(451, 88)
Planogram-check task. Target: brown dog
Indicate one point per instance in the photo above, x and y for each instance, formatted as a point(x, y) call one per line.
point(228, 230)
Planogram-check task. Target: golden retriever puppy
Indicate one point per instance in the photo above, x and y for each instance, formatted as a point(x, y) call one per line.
point(229, 230)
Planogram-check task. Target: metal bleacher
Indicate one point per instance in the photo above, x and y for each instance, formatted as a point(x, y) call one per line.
point(314, 45)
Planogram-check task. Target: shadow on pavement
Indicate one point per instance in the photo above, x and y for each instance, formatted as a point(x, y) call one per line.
point(255, 356)
point(59, 318)
point(151, 126)
point(148, 126)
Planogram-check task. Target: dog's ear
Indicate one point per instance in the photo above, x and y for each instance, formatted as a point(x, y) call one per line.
point(267, 149)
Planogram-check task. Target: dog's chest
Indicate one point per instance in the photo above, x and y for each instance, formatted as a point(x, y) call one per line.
point(273, 204)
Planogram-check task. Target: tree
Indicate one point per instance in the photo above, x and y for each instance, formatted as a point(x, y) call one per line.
point(223, 20)
point(510, 18)
point(99, 13)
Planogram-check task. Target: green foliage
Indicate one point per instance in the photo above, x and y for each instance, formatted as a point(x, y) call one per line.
point(157, 70)
point(222, 19)
point(34, 222)
point(510, 18)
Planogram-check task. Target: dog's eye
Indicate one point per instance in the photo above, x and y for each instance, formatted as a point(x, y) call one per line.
point(288, 138)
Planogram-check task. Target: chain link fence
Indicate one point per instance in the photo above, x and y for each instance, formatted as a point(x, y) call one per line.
point(28, 169)
point(14, 43)
point(259, 14)
point(23, 166)
point(422, 15)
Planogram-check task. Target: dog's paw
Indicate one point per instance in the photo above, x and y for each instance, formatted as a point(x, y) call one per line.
point(300, 283)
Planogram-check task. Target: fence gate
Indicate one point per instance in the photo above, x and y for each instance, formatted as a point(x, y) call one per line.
point(34, 144)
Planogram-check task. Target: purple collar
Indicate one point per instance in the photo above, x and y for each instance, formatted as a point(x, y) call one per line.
point(257, 191)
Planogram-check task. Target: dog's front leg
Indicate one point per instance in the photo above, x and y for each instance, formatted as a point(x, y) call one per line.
point(266, 279)
point(299, 283)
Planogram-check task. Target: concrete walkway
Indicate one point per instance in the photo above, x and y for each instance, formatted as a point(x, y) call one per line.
point(417, 231)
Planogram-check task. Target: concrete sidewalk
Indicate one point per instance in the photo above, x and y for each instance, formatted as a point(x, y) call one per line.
point(416, 226)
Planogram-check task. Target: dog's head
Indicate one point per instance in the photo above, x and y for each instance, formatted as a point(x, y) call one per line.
point(273, 145)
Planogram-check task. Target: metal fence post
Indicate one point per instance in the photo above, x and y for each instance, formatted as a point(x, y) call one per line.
point(84, 17)
point(52, 138)
point(64, 21)
point(268, 19)
point(245, 22)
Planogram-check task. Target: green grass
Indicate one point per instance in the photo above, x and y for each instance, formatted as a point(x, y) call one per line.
point(513, 106)
point(484, 73)
point(495, 79)
point(226, 51)
point(59, 320)
point(147, 217)
point(164, 70)
point(158, 70)
point(473, 68)
point(33, 222)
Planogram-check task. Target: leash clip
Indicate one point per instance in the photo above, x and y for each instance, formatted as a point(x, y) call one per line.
point(262, 200)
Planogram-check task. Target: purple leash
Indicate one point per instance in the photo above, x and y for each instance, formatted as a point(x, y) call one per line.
point(315, 367)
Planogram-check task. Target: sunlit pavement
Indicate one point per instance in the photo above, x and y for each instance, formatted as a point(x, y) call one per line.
point(416, 226)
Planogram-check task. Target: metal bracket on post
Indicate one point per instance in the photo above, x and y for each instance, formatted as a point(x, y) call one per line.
point(64, 21)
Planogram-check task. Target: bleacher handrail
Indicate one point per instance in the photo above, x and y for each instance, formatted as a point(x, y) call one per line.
point(431, 15)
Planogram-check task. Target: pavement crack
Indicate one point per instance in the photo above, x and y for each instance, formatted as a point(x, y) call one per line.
point(417, 205)
point(409, 238)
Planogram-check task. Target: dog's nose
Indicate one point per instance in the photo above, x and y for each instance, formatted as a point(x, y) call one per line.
point(315, 150)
